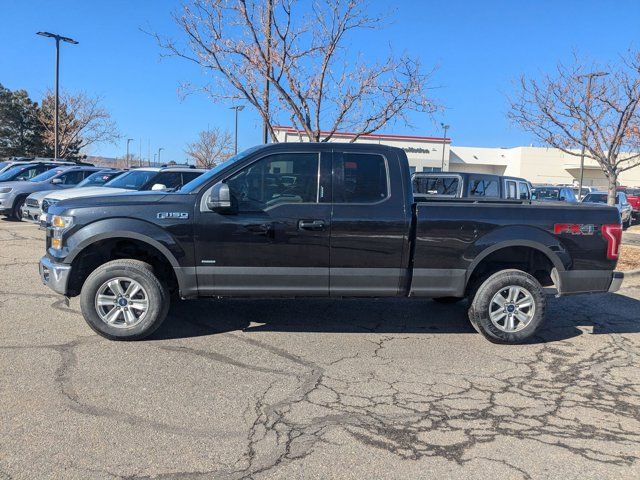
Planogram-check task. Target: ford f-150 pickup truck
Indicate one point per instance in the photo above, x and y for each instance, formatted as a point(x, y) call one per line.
point(323, 219)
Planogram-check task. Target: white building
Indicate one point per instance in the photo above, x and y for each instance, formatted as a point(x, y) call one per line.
point(536, 164)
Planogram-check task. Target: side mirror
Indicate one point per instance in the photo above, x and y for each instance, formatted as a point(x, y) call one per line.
point(562, 199)
point(159, 186)
point(56, 181)
point(220, 198)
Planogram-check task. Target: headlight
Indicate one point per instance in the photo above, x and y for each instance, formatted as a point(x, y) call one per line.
point(59, 224)
point(6, 190)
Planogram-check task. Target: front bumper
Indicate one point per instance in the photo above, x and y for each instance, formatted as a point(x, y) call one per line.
point(54, 275)
point(31, 214)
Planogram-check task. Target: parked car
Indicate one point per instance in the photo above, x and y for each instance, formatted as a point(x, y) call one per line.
point(327, 220)
point(585, 191)
point(633, 197)
point(139, 179)
point(33, 206)
point(17, 171)
point(553, 194)
point(469, 185)
point(14, 194)
point(621, 204)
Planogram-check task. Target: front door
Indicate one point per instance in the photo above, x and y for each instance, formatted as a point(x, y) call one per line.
point(276, 241)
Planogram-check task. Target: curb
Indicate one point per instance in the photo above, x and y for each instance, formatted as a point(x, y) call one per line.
point(631, 278)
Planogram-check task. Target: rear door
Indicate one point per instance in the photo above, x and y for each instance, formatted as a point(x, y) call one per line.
point(369, 224)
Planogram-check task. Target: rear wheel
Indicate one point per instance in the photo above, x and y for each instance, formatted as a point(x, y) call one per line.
point(508, 307)
point(124, 300)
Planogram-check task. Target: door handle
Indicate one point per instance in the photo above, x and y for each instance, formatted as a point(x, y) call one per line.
point(314, 225)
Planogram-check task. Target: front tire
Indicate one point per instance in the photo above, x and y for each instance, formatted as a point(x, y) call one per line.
point(124, 300)
point(17, 208)
point(508, 307)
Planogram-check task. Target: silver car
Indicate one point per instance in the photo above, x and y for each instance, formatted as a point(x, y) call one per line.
point(13, 194)
point(622, 205)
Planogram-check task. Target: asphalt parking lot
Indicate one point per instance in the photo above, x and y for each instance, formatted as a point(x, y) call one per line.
point(312, 389)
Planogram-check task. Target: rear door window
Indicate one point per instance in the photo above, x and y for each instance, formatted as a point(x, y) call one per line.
point(364, 179)
point(523, 191)
point(480, 187)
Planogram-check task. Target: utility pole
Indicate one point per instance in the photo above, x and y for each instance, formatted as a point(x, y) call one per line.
point(159, 150)
point(128, 159)
point(590, 77)
point(265, 128)
point(444, 143)
point(58, 39)
point(237, 108)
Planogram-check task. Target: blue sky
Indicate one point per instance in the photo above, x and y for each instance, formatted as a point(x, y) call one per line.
point(479, 47)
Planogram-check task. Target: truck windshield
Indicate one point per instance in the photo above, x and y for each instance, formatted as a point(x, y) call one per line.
point(599, 198)
point(133, 180)
point(204, 178)
point(97, 179)
point(11, 173)
point(546, 194)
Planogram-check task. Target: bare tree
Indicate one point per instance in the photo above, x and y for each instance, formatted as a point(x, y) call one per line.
point(301, 48)
point(576, 109)
point(83, 121)
point(212, 147)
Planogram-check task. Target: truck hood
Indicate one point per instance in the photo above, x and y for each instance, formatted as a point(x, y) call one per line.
point(86, 192)
point(39, 196)
point(119, 200)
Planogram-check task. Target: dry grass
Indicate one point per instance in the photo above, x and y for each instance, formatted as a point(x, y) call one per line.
point(629, 258)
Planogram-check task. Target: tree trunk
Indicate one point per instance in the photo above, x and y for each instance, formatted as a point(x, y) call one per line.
point(613, 184)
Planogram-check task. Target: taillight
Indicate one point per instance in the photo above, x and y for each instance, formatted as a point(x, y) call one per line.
point(613, 234)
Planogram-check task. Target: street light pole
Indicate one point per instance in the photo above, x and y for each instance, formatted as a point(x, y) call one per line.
point(237, 108)
point(159, 150)
point(58, 39)
point(128, 159)
point(590, 77)
point(444, 143)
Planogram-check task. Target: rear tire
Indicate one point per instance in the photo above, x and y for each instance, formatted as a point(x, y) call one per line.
point(508, 307)
point(124, 300)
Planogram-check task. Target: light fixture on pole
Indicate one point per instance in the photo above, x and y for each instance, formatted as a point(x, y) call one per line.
point(590, 77)
point(128, 161)
point(444, 143)
point(159, 150)
point(58, 39)
point(237, 108)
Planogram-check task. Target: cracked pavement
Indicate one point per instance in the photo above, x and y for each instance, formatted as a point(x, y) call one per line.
point(287, 389)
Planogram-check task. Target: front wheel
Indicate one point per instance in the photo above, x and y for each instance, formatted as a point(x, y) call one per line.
point(18, 206)
point(626, 224)
point(124, 300)
point(508, 307)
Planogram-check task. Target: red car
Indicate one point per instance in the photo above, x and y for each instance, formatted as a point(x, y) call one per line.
point(633, 197)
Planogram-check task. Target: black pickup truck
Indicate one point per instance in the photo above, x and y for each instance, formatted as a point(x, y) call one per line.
point(323, 219)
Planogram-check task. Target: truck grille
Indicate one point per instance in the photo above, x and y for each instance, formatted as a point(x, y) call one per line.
point(32, 202)
point(46, 203)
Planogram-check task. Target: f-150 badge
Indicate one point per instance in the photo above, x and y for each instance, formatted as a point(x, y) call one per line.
point(176, 215)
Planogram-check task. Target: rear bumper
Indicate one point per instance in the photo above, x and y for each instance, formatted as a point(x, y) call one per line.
point(54, 275)
point(616, 281)
point(589, 281)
